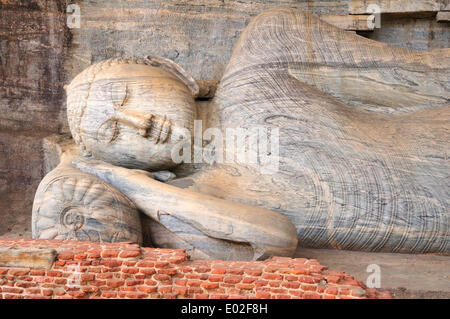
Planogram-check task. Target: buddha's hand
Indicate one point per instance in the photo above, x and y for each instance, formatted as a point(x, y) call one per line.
point(268, 233)
point(106, 171)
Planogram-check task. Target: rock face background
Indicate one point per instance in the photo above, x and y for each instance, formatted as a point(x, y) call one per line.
point(39, 54)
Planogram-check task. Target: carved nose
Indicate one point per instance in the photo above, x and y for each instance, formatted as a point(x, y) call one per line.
point(160, 129)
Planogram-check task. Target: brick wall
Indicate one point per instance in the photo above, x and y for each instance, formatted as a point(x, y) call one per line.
point(125, 270)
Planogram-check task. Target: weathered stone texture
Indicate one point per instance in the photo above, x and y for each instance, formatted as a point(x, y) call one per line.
point(27, 257)
point(20, 173)
point(33, 39)
point(418, 33)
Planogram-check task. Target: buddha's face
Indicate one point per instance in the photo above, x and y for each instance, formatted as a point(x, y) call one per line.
point(134, 115)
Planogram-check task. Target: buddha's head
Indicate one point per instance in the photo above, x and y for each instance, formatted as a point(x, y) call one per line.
point(128, 111)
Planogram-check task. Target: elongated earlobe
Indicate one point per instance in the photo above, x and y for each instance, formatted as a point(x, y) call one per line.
point(176, 70)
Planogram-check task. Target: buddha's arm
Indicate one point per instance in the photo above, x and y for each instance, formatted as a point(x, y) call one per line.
point(268, 233)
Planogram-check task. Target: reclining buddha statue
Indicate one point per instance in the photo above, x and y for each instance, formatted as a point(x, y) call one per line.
point(361, 148)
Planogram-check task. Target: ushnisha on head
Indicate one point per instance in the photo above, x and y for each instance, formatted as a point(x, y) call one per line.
point(131, 112)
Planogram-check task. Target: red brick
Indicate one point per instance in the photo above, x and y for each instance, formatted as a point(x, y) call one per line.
point(147, 289)
point(161, 264)
point(134, 282)
point(19, 272)
point(167, 271)
point(316, 269)
point(182, 291)
point(151, 283)
point(110, 253)
point(332, 279)
point(245, 286)
point(90, 289)
point(165, 289)
point(261, 283)
point(253, 272)
point(96, 253)
point(129, 263)
point(207, 285)
point(300, 260)
point(236, 271)
point(177, 260)
point(219, 271)
point(350, 282)
point(37, 273)
point(146, 263)
point(192, 276)
point(130, 270)
point(309, 280)
point(271, 269)
point(291, 285)
point(4, 271)
point(180, 282)
point(66, 256)
point(301, 270)
point(275, 283)
point(263, 295)
point(26, 284)
point(109, 294)
point(95, 270)
point(12, 290)
point(148, 271)
point(291, 278)
point(77, 294)
point(8, 296)
point(60, 281)
point(42, 279)
point(278, 290)
point(47, 292)
point(32, 291)
point(344, 291)
point(248, 280)
point(331, 291)
point(111, 263)
point(272, 276)
point(115, 283)
point(194, 283)
point(202, 269)
point(54, 273)
point(195, 290)
point(161, 277)
point(80, 256)
point(60, 292)
point(296, 293)
point(232, 279)
point(308, 287)
point(384, 294)
point(98, 283)
point(186, 269)
point(129, 253)
point(311, 295)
